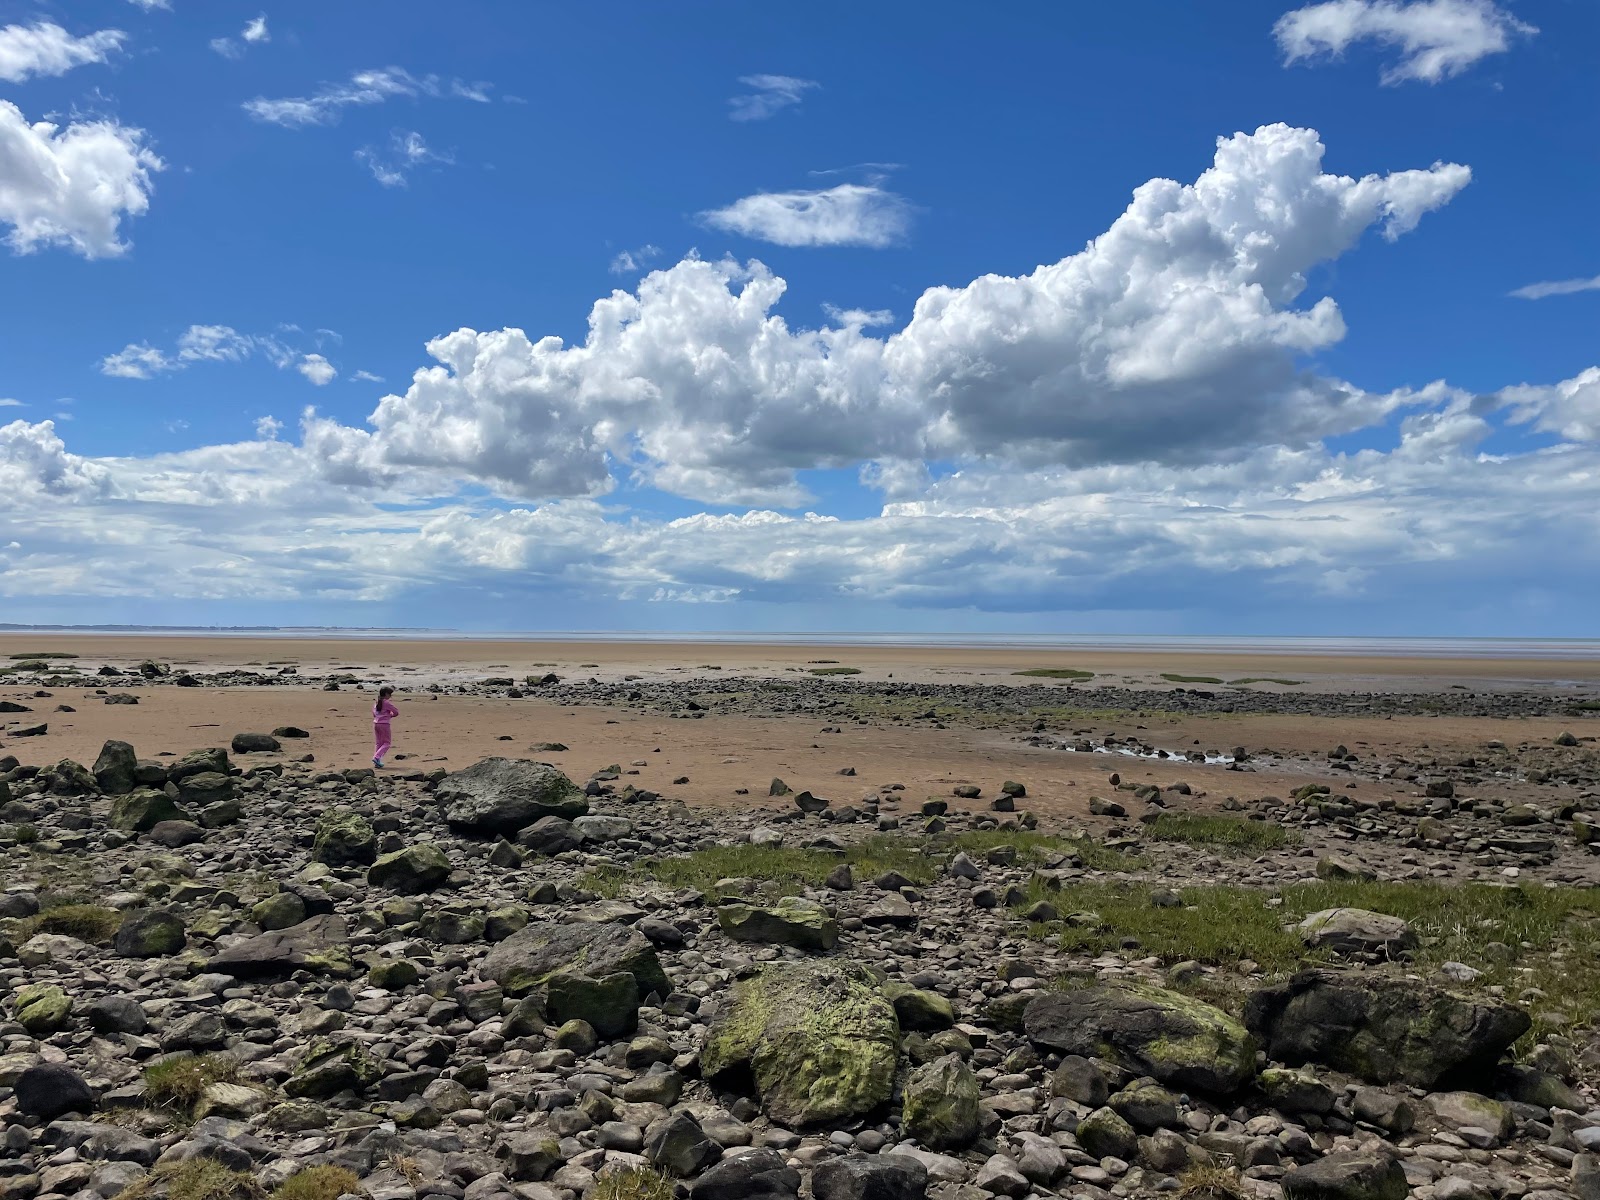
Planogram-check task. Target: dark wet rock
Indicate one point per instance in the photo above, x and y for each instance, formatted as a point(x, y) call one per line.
point(282, 950)
point(941, 1104)
point(870, 1177)
point(154, 933)
point(758, 1175)
point(419, 868)
point(550, 836)
point(1349, 1175)
point(48, 1090)
point(255, 743)
point(142, 810)
point(792, 921)
point(504, 795)
point(345, 839)
point(114, 768)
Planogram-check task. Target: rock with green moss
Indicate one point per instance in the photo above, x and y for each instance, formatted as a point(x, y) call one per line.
point(941, 1104)
point(392, 974)
point(1384, 1029)
point(41, 1009)
point(1464, 1110)
point(279, 911)
point(69, 778)
point(1528, 1085)
point(142, 810)
point(925, 1012)
point(610, 1003)
point(205, 788)
point(330, 1067)
point(297, 1116)
point(504, 795)
point(501, 923)
point(454, 926)
point(1168, 1036)
point(419, 868)
point(154, 933)
point(792, 921)
point(345, 839)
point(526, 960)
point(115, 767)
point(1294, 1093)
point(1105, 1134)
point(819, 1040)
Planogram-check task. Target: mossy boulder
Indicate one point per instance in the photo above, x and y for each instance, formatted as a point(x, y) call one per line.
point(609, 1003)
point(331, 1067)
point(141, 810)
point(526, 960)
point(1168, 1036)
point(1385, 1030)
point(204, 788)
point(1295, 1093)
point(503, 795)
point(345, 839)
point(924, 1012)
point(41, 1009)
point(212, 760)
point(819, 1041)
point(281, 910)
point(419, 868)
point(392, 974)
point(155, 933)
point(69, 778)
point(792, 921)
point(1105, 1134)
point(114, 770)
point(941, 1104)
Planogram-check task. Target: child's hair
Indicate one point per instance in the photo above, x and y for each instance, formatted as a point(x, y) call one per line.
point(383, 694)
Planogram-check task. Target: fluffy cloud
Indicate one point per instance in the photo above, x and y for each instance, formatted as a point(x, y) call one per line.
point(71, 187)
point(769, 95)
point(317, 369)
point(629, 262)
point(1558, 287)
point(1172, 337)
point(45, 48)
point(364, 88)
point(1436, 38)
point(851, 214)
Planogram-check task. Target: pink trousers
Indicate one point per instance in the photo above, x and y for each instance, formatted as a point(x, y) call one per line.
point(381, 739)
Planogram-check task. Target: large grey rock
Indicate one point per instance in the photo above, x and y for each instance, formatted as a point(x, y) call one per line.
point(818, 1039)
point(679, 1146)
point(153, 933)
point(1349, 1175)
point(114, 768)
point(870, 1177)
point(282, 950)
point(1383, 1029)
point(255, 743)
point(345, 839)
point(792, 921)
point(213, 760)
point(550, 835)
point(1355, 931)
point(1149, 1030)
point(941, 1104)
point(419, 868)
point(503, 795)
point(141, 810)
point(577, 967)
point(759, 1175)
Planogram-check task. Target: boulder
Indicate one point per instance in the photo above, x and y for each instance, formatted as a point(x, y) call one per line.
point(69, 778)
point(1385, 1030)
point(48, 1090)
point(255, 743)
point(793, 921)
point(1104, 1133)
point(212, 761)
point(819, 1040)
point(503, 795)
point(1349, 1175)
point(42, 1009)
point(154, 933)
point(925, 1012)
point(759, 1175)
point(282, 950)
point(1356, 931)
point(331, 1067)
point(608, 1002)
point(419, 868)
point(527, 962)
point(204, 787)
point(679, 1146)
point(859, 1176)
point(142, 810)
point(550, 835)
point(114, 768)
point(941, 1104)
point(345, 839)
point(1170, 1037)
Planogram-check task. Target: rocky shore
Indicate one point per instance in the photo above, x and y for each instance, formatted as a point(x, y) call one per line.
point(229, 974)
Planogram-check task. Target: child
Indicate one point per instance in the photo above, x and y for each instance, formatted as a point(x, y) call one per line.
point(382, 713)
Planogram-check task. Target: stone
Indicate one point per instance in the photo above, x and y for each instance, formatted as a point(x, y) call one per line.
point(1151, 1031)
point(550, 836)
point(758, 1175)
point(1338, 869)
point(114, 768)
point(330, 1067)
point(941, 1104)
point(792, 921)
point(1001, 1176)
point(42, 1009)
point(141, 810)
point(525, 960)
point(205, 787)
point(393, 974)
point(819, 1040)
point(1146, 1105)
point(255, 743)
point(48, 1090)
point(155, 933)
point(1384, 1030)
point(419, 868)
point(1295, 1094)
point(1348, 1175)
point(282, 950)
point(504, 795)
point(117, 1014)
point(679, 1146)
point(1461, 1110)
point(610, 1003)
point(1356, 931)
point(870, 1177)
point(344, 839)
point(1103, 1133)
point(281, 910)
point(1079, 1080)
point(922, 1011)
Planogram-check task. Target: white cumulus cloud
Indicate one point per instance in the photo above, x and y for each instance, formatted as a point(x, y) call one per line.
point(45, 48)
point(1436, 38)
point(851, 214)
point(317, 369)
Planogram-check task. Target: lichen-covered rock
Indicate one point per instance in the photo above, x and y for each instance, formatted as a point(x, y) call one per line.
point(142, 810)
point(345, 839)
point(204, 787)
point(419, 868)
point(114, 768)
point(1349, 1175)
point(609, 1003)
point(941, 1104)
point(1385, 1030)
point(213, 760)
point(331, 1067)
point(503, 795)
point(281, 910)
point(69, 778)
point(1104, 1133)
point(819, 1039)
point(1148, 1030)
point(308, 945)
point(792, 921)
point(42, 1009)
point(527, 959)
point(155, 933)
point(1355, 931)
point(1294, 1093)
point(922, 1011)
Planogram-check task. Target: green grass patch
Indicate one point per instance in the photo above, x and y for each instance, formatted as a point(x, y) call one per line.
point(87, 922)
point(1248, 680)
point(326, 1182)
point(178, 1083)
point(634, 1183)
point(1586, 706)
point(1036, 848)
point(782, 870)
point(1232, 833)
point(835, 670)
point(1055, 673)
point(1170, 678)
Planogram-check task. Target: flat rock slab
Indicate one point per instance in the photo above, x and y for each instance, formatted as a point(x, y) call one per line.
point(282, 950)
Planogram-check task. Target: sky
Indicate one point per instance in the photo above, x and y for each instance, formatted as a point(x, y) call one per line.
point(1038, 318)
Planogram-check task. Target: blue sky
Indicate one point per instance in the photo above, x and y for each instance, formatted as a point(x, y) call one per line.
point(1293, 389)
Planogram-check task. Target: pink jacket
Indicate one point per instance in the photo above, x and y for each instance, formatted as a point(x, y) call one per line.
point(383, 712)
